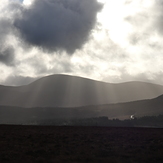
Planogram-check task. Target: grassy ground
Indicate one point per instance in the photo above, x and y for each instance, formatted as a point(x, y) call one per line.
point(80, 144)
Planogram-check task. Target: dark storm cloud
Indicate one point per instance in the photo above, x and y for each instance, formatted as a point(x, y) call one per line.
point(58, 24)
point(7, 56)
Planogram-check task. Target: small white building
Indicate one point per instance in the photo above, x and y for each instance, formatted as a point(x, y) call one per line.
point(132, 117)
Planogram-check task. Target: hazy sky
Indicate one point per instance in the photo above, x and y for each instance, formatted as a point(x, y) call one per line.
point(109, 40)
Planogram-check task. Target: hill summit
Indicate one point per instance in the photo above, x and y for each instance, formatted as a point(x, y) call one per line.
point(72, 91)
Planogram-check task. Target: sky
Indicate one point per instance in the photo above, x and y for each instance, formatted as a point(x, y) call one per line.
point(112, 41)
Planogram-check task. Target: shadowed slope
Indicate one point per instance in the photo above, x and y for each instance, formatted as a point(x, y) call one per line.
point(70, 91)
point(140, 108)
point(17, 115)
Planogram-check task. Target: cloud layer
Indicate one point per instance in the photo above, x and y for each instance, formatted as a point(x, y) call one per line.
point(115, 42)
point(58, 24)
point(51, 25)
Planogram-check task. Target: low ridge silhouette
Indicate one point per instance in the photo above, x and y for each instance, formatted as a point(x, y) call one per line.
point(18, 115)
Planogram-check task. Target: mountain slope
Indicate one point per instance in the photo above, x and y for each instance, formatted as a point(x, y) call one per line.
point(17, 115)
point(71, 91)
point(140, 108)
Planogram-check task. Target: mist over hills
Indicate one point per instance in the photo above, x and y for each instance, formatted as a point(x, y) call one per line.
point(18, 115)
point(72, 91)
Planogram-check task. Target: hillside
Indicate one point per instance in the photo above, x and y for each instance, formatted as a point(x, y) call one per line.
point(71, 91)
point(16, 115)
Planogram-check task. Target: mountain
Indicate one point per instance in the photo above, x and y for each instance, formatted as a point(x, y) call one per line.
point(47, 115)
point(140, 108)
point(72, 91)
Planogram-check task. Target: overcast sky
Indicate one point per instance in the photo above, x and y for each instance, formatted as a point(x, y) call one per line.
point(108, 40)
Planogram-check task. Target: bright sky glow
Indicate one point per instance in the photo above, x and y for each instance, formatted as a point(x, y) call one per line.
point(27, 2)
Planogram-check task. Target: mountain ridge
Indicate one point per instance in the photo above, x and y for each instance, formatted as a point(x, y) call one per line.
point(89, 79)
point(72, 91)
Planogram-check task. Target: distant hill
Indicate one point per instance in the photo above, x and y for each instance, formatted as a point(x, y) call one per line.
point(17, 115)
point(140, 108)
point(72, 91)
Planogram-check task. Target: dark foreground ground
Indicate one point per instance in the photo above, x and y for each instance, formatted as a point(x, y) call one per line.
point(80, 144)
